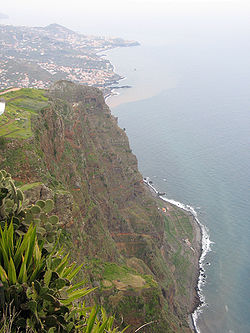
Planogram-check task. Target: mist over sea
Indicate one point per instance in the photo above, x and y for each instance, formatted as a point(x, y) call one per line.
point(187, 117)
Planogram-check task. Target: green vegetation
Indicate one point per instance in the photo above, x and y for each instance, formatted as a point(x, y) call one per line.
point(20, 106)
point(27, 187)
point(124, 278)
point(14, 209)
point(2, 142)
point(140, 257)
point(36, 281)
point(119, 276)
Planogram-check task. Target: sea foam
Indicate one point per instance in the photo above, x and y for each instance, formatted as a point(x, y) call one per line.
point(206, 247)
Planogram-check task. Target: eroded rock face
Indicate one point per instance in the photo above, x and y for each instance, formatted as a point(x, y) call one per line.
point(84, 162)
point(70, 92)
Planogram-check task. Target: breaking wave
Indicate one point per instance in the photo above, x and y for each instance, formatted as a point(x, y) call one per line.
point(205, 244)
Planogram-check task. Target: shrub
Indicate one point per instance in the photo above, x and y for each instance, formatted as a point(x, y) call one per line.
point(2, 142)
point(36, 277)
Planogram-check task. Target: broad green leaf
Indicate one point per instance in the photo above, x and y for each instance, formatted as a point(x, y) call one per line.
point(41, 230)
point(22, 277)
point(23, 246)
point(110, 322)
point(51, 320)
point(49, 205)
point(32, 305)
point(54, 219)
point(63, 264)
point(37, 270)
point(37, 255)
point(70, 327)
point(68, 270)
point(35, 209)
point(40, 203)
point(76, 286)
point(51, 299)
point(47, 277)
point(91, 319)
point(12, 272)
point(4, 249)
point(73, 274)
point(9, 239)
point(76, 295)
point(103, 326)
point(59, 283)
point(55, 263)
point(20, 195)
point(104, 315)
point(3, 274)
point(31, 246)
point(4, 255)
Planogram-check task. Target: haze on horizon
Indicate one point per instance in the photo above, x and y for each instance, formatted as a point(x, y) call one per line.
point(125, 17)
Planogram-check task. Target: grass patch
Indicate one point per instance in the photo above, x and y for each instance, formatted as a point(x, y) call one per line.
point(124, 278)
point(27, 187)
point(59, 191)
point(21, 105)
point(2, 142)
point(113, 271)
point(119, 276)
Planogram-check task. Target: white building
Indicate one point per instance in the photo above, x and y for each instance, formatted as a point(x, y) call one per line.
point(2, 107)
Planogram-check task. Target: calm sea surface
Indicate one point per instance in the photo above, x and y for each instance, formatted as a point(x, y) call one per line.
point(187, 117)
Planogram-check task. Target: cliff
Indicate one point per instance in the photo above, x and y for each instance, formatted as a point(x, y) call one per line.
point(67, 146)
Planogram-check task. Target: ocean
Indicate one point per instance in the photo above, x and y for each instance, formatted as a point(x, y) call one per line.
point(187, 117)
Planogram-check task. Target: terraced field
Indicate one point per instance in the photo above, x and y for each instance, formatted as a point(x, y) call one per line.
point(15, 122)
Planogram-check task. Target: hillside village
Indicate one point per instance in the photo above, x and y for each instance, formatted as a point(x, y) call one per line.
point(36, 57)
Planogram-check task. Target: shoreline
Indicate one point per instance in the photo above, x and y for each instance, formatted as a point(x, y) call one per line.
point(201, 237)
point(112, 90)
point(199, 280)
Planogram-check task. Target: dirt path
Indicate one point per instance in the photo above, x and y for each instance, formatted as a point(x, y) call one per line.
point(8, 123)
point(9, 90)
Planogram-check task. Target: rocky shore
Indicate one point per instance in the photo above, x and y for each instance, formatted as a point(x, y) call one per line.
point(195, 245)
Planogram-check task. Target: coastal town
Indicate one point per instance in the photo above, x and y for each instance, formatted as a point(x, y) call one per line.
point(38, 56)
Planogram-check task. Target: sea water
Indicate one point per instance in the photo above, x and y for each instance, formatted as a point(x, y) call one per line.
point(187, 117)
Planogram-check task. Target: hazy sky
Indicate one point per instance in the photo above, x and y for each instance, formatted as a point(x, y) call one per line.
point(124, 16)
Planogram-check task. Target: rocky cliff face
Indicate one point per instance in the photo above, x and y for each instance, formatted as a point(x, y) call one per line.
point(137, 254)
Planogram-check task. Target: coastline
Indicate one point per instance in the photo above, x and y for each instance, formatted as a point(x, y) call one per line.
point(111, 91)
point(201, 244)
point(201, 240)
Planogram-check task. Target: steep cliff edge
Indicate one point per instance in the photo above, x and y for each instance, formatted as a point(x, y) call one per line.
point(67, 146)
